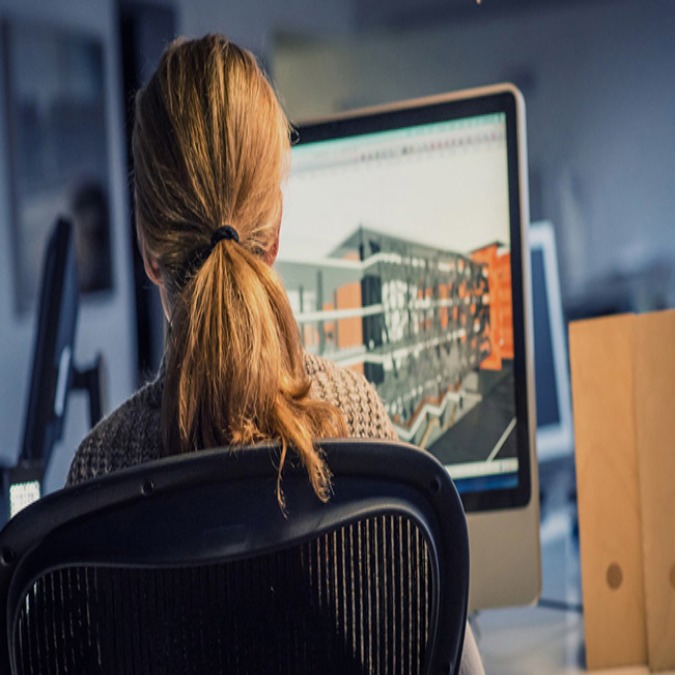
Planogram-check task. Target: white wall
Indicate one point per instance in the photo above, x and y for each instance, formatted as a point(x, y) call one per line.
point(105, 324)
point(599, 81)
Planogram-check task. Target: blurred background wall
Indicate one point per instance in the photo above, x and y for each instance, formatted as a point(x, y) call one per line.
point(105, 319)
point(599, 82)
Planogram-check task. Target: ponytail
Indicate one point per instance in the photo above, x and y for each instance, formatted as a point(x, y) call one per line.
point(235, 373)
point(210, 146)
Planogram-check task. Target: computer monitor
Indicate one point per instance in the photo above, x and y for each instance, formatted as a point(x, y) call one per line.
point(52, 369)
point(53, 373)
point(405, 258)
point(555, 434)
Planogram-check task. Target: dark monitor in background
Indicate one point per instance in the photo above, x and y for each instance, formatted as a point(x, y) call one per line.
point(53, 374)
point(555, 434)
point(404, 255)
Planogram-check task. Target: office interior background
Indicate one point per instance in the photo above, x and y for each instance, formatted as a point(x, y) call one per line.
point(598, 77)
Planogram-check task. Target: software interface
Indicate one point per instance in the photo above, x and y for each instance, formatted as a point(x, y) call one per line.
point(396, 257)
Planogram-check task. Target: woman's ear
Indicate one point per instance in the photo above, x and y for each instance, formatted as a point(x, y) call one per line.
point(271, 253)
point(155, 275)
point(152, 270)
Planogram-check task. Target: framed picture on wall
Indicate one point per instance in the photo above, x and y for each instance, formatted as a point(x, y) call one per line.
point(56, 115)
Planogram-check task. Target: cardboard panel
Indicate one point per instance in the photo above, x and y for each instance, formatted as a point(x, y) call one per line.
point(602, 364)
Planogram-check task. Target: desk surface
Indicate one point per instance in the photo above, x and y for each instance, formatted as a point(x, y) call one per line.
point(532, 642)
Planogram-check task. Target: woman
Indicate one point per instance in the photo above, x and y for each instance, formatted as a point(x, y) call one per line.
point(210, 147)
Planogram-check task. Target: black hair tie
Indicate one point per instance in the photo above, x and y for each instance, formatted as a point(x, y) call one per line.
point(196, 260)
point(225, 232)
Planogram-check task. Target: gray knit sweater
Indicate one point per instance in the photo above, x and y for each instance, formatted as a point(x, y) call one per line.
point(132, 434)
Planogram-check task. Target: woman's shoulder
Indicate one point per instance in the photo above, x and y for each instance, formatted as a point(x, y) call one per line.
point(332, 381)
point(351, 392)
point(130, 435)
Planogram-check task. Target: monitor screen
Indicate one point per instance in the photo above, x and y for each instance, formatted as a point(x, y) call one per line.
point(402, 255)
point(52, 368)
point(555, 435)
point(399, 233)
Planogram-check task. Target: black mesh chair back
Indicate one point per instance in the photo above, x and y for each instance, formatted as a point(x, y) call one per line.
point(189, 565)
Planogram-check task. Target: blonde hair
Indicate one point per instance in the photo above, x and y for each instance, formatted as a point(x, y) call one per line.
point(210, 147)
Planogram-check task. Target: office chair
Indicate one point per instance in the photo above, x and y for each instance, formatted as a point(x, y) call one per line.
point(189, 565)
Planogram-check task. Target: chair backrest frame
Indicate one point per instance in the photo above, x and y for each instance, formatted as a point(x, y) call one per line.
point(235, 515)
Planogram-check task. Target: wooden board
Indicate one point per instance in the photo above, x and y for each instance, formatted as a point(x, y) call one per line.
point(603, 386)
point(655, 423)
